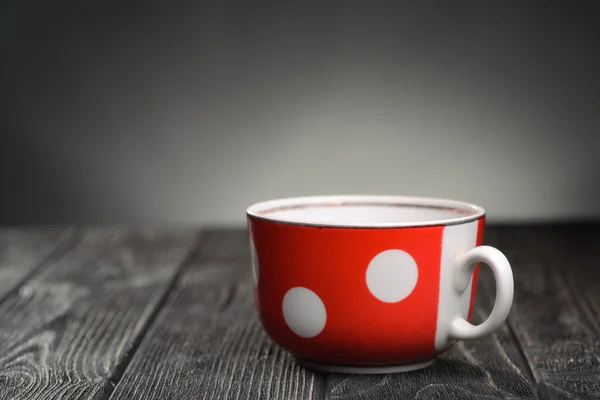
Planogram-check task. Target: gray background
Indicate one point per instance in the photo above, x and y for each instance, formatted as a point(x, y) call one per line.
point(186, 113)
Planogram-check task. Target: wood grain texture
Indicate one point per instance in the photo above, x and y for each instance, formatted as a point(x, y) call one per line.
point(556, 313)
point(207, 343)
point(22, 250)
point(71, 328)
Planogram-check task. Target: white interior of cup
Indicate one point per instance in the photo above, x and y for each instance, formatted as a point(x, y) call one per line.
point(366, 211)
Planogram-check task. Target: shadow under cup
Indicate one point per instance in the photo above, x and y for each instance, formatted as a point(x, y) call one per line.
point(371, 284)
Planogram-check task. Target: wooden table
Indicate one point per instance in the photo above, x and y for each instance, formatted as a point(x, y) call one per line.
point(148, 313)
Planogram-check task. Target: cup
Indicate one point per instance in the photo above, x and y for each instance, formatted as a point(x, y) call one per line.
point(371, 284)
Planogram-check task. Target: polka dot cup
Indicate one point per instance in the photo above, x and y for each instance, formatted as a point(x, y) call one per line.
point(371, 284)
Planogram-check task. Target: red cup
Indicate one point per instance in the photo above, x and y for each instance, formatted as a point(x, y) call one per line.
point(371, 284)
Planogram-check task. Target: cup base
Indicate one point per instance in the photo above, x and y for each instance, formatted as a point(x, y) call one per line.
point(348, 369)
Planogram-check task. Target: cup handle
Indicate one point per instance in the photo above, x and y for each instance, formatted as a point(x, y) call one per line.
point(460, 328)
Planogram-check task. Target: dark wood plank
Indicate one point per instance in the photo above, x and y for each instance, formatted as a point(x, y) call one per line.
point(491, 368)
point(71, 328)
point(22, 250)
point(556, 314)
point(207, 343)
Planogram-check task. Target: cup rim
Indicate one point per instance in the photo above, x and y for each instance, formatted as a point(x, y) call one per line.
point(466, 212)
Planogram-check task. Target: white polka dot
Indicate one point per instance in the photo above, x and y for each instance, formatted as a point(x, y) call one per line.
point(254, 262)
point(392, 275)
point(304, 312)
